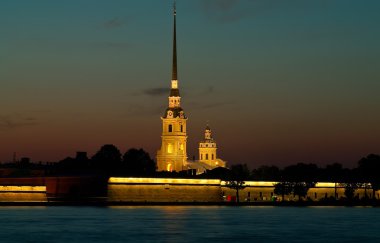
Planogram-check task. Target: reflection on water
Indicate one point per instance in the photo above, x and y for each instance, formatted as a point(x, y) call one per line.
point(189, 224)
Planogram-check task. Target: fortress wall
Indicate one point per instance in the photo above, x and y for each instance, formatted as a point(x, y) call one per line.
point(151, 190)
point(38, 189)
point(264, 191)
point(22, 197)
point(320, 193)
point(198, 190)
point(23, 194)
point(361, 193)
point(163, 190)
point(250, 194)
point(377, 194)
point(254, 191)
point(317, 194)
point(76, 187)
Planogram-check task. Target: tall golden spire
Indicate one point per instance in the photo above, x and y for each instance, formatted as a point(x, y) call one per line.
point(174, 71)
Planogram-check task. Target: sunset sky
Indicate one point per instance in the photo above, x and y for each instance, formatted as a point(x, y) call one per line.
point(280, 82)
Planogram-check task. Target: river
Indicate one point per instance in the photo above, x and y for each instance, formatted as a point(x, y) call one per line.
point(189, 224)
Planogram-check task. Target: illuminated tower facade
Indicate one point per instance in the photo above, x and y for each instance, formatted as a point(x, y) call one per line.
point(172, 155)
point(207, 151)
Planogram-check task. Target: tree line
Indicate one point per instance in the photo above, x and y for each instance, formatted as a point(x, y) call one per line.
point(299, 178)
point(294, 179)
point(107, 161)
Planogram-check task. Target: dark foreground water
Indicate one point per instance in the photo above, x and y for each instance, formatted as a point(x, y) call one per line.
point(189, 224)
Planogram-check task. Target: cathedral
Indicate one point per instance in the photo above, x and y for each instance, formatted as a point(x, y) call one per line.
point(172, 156)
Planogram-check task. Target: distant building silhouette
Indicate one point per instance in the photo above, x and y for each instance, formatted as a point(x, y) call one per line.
point(81, 156)
point(25, 161)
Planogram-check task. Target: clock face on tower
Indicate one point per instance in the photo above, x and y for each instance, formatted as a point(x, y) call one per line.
point(170, 114)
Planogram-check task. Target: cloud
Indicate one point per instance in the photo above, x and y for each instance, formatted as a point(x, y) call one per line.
point(115, 44)
point(227, 11)
point(71, 45)
point(209, 90)
point(113, 23)
point(159, 91)
point(222, 5)
point(145, 110)
point(7, 122)
point(157, 108)
point(152, 92)
point(30, 119)
point(209, 105)
point(41, 111)
point(224, 10)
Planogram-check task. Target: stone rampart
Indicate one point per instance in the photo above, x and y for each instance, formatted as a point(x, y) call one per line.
point(163, 190)
point(153, 190)
point(23, 194)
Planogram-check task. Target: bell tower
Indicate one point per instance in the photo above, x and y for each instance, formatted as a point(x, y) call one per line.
point(207, 149)
point(172, 155)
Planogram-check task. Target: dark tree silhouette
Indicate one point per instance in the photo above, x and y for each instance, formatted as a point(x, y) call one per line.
point(266, 173)
point(301, 172)
point(369, 168)
point(217, 173)
point(237, 185)
point(349, 189)
point(107, 159)
point(74, 166)
point(240, 171)
point(236, 180)
point(283, 188)
point(334, 173)
point(301, 188)
point(301, 178)
point(138, 162)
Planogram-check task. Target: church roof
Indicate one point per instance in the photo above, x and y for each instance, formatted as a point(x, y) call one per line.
point(199, 165)
point(176, 112)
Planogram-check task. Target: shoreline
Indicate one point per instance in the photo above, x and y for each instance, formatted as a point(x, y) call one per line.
point(242, 204)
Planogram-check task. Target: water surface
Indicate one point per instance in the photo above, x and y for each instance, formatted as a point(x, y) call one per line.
point(189, 224)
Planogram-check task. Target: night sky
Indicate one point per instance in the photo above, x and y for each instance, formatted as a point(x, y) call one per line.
point(280, 82)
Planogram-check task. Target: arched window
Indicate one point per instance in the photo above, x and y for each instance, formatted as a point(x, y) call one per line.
point(170, 128)
point(169, 167)
point(201, 156)
point(181, 128)
point(206, 156)
point(212, 156)
point(170, 148)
